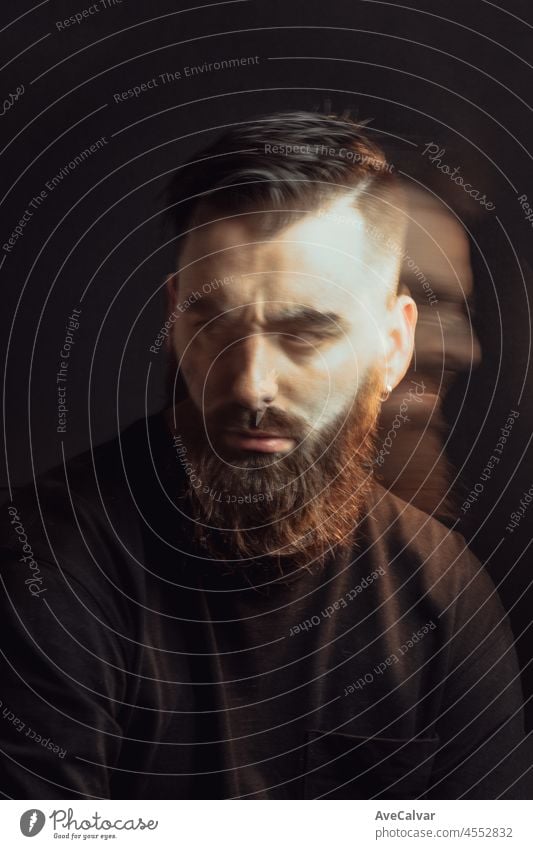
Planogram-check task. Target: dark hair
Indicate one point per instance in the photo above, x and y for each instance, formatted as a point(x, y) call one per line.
point(281, 166)
point(286, 163)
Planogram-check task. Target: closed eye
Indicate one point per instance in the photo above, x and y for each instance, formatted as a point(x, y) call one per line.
point(306, 337)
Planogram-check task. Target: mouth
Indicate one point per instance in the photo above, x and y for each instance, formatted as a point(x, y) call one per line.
point(267, 442)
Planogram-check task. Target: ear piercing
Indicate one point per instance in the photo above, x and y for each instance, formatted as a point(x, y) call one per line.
point(383, 397)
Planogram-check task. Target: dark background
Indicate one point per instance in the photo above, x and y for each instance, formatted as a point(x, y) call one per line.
point(456, 74)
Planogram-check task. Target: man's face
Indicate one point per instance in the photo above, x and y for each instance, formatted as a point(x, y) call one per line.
point(293, 323)
point(285, 345)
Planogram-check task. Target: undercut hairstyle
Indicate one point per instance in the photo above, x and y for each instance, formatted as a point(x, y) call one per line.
point(279, 167)
point(282, 166)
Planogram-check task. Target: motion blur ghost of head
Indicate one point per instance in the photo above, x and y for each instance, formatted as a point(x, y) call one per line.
point(288, 330)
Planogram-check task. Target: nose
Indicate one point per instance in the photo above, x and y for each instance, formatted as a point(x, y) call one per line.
point(255, 381)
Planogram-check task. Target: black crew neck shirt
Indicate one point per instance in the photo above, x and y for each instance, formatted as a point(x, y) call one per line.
point(134, 667)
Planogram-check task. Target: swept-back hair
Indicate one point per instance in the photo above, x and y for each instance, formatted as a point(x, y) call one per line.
point(279, 167)
point(288, 164)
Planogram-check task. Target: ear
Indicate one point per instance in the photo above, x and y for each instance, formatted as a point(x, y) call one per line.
point(171, 286)
point(400, 340)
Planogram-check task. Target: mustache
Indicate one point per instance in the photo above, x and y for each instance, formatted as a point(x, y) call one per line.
point(271, 419)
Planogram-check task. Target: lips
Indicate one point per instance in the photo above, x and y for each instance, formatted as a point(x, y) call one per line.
point(267, 442)
point(261, 434)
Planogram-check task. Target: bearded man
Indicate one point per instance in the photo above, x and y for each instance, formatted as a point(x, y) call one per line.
point(225, 602)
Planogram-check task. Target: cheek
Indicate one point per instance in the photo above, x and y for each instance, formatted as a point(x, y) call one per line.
point(187, 351)
point(178, 341)
point(323, 390)
point(344, 366)
point(203, 372)
point(341, 373)
point(190, 365)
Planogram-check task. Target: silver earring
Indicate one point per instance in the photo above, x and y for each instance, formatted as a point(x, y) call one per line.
point(384, 396)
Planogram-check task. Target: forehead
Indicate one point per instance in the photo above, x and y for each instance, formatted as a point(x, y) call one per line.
point(323, 257)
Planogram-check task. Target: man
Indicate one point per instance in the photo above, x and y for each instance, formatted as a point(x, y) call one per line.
point(222, 603)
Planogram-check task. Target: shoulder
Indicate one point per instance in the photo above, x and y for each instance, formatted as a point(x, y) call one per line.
point(420, 549)
point(78, 521)
point(430, 567)
point(400, 522)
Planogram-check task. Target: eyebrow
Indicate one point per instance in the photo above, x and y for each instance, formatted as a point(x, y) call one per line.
point(297, 315)
point(310, 317)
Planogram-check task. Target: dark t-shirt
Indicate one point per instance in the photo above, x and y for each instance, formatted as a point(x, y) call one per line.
point(132, 667)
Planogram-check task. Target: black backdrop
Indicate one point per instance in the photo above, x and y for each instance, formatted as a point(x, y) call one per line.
point(459, 75)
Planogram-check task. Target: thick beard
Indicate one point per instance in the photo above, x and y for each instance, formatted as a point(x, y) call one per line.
point(295, 510)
